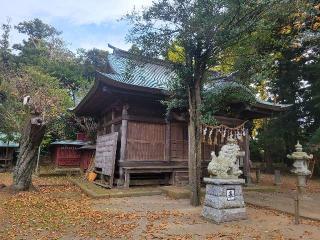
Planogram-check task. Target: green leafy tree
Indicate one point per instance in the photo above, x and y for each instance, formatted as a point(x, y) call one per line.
point(39, 100)
point(5, 50)
point(92, 60)
point(294, 80)
point(44, 75)
point(203, 29)
point(279, 58)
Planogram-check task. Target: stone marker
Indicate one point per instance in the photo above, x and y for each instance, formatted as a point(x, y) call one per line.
point(224, 198)
point(277, 177)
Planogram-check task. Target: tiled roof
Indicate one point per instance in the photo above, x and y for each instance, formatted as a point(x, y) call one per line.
point(219, 85)
point(69, 142)
point(9, 145)
point(5, 143)
point(139, 72)
point(263, 102)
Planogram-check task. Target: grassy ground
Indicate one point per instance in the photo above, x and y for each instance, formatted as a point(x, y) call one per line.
point(58, 210)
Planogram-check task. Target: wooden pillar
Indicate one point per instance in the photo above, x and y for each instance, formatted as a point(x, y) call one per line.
point(104, 123)
point(124, 128)
point(112, 119)
point(170, 178)
point(189, 155)
point(168, 141)
point(246, 166)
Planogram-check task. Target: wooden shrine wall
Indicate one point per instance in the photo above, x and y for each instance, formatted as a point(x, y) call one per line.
point(145, 141)
point(206, 151)
point(179, 142)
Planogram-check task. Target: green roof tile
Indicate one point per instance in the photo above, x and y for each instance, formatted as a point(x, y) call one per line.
point(139, 72)
point(153, 73)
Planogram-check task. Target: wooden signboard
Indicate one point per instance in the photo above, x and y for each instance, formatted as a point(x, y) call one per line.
point(106, 149)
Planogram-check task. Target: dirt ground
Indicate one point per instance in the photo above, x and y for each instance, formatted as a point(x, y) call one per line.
point(288, 183)
point(58, 210)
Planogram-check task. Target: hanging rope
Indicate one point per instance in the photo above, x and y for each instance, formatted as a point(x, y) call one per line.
point(211, 134)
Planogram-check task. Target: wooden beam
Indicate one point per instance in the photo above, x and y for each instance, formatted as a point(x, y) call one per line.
point(115, 105)
point(233, 122)
point(114, 121)
point(150, 163)
point(144, 119)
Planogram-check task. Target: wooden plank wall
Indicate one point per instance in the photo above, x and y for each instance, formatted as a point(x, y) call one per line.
point(206, 151)
point(106, 152)
point(179, 142)
point(145, 141)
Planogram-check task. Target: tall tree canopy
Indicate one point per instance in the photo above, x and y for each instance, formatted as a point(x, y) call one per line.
point(37, 85)
point(282, 60)
point(203, 29)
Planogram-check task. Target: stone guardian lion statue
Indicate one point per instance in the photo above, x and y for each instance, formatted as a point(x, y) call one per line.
point(225, 164)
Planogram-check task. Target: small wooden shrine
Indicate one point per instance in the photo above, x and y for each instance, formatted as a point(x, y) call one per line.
point(65, 153)
point(7, 150)
point(152, 147)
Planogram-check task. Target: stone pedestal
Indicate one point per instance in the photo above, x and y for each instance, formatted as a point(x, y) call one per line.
point(224, 200)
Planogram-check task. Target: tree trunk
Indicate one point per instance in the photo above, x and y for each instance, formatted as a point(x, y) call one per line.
point(195, 144)
point(31, 138)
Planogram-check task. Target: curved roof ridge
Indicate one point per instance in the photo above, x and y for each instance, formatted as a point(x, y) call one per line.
point(138, 57)
point(221, 82)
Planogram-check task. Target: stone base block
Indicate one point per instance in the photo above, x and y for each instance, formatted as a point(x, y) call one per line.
point(220, 190)
point(224, 200)
point(220, 202)
point(224, 215)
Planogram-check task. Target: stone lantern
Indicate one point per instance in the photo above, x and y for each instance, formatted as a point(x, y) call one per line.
point(301, 170)
point(300, 164)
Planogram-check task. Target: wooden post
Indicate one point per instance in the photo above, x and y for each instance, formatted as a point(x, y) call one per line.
point(258, 174)
point(38, 160)
point(297, 205)
point(246, 166)
point(168, 142)
point(126, 179)
point(112, 118)
point(124, 128)
point(104, 122)
point(168, 150)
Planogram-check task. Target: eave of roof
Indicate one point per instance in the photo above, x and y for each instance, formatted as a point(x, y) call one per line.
point(9, 145)
point(221, 83)
point(149, 76)
point(272, 106)
point(70, 142)
point(88, 147)
point(112, 85)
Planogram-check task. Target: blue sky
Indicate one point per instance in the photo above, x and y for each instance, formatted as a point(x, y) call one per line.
point(85, 23)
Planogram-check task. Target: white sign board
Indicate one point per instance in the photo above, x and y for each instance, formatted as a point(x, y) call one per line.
point(230, 194)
